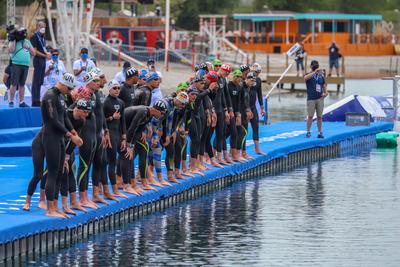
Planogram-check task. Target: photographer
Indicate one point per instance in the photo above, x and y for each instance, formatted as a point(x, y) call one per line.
point(39, 61)
point(316, 92)
point(21, 50)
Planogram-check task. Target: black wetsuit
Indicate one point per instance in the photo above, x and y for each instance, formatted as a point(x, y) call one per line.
point(87, 150)
point(208, 129)
point(116, 128)
point(142, 96)
point(255, 92)
point(195, 120)
point(232, 131)
point(218, 99)
point(68, 183)
point(231, 126)
point(127, 94)
point(181, 141)
point(38, 164)
point(55, 126)
point(136, 118)
point(245, 107)
point(99, 155)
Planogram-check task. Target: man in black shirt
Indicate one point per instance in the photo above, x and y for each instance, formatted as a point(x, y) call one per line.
point(39, 61)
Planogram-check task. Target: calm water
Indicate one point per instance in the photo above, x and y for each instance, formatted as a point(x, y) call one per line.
point(314, 215)
point(340, 212)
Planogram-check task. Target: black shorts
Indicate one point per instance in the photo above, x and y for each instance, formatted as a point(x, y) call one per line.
point(19, 74)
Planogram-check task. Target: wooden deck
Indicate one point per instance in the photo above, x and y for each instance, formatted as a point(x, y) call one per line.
point(293, 80)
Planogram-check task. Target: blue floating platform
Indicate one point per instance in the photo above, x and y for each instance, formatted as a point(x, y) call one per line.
point(17, 128)
point(278, 140)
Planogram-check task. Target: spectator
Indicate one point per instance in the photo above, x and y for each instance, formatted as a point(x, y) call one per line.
point(82, 66)
point(39, 61)
point(156, 94)
point(158, 10)
point(151, 64)
point(334, 58)
point(55, 70)
point(21, 50)
point(316, 92)
point(121, 76)
point(300, 55)
point(7, 79)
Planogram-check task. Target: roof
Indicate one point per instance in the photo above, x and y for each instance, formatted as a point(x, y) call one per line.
point(286, 15)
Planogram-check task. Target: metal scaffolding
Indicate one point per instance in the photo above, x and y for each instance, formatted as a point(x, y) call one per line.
point(10, 12)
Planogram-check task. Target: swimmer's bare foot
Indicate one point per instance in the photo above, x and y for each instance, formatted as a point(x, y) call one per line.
point(216, 164)
point(178, 175)
point(187, 173)
point(99, 199)
point(165, 183)
point(128, 189)
point(77, 206)
point(147, 186)
point(69, 211)
point(116, 192)
point(54, 214)
point(42, 205)
point(27, 205)
point(153, 181)
point(196, 171)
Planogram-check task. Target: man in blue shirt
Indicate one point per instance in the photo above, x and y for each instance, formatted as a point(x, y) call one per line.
point(316, 92)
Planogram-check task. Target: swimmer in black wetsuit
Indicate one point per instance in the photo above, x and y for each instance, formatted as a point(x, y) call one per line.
point(168, 136)
point(143, 93)
point(127, 88)
point(137, 119)
point(86, 152)
point(102, 140)
point(196, 117)
point(235, 91)
point(77, 114)
point(56, 126)
point(114, 112)
point(256, 93)
point(127, 95)
point(246, 113)
point(211, 80)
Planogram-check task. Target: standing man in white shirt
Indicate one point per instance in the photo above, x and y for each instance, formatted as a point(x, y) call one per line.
point(121, 76)
point(82, 66)
point(55, 69)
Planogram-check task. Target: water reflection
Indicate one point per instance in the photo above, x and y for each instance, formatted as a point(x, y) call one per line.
point(339, 212)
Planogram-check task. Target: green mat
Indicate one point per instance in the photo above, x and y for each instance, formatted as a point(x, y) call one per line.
point(387, 140)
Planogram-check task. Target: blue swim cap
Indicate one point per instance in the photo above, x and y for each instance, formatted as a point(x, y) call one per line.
point(142, 74)
point(152, 76)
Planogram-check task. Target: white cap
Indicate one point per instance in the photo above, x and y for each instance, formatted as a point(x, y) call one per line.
point(113, 83)
point(159, 74)
point(68, 80)
point(256, 67)
point(89, 77)
point(98, 71)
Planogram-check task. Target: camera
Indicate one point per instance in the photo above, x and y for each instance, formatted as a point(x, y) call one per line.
point(15, 34)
